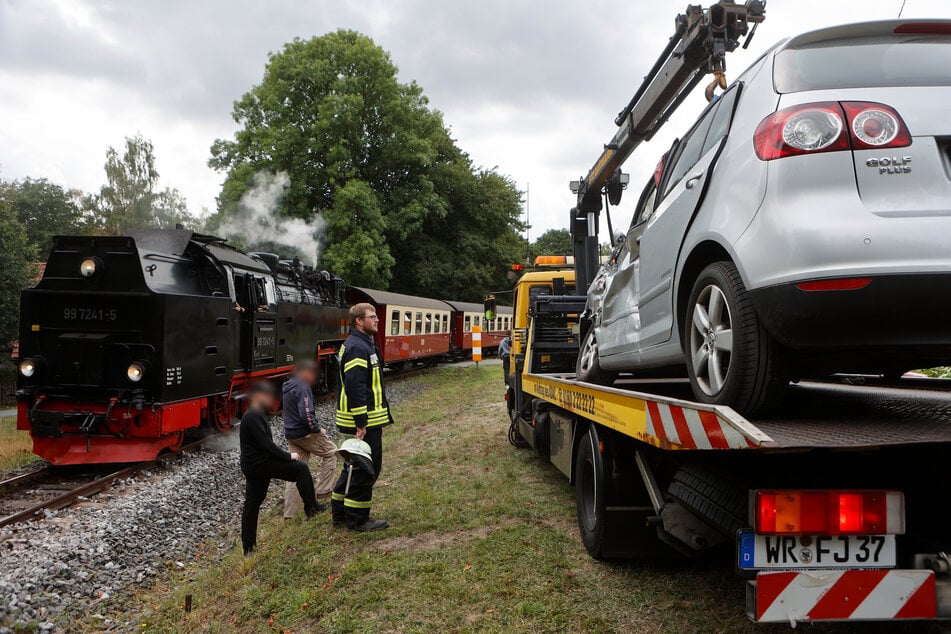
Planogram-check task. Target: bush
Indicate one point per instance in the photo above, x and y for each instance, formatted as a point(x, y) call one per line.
point(8, 384)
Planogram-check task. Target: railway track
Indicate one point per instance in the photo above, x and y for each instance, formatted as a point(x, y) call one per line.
point(27, 496)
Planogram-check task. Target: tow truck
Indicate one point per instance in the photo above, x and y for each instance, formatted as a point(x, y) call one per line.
point(835, 507)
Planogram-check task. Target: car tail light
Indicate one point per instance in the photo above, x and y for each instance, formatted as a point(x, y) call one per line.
point(873, 125)
point(829, 126)
point(805, 129)
point(824, 512)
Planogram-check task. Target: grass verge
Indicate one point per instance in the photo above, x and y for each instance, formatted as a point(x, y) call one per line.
point(483, 538)
point(16, 447)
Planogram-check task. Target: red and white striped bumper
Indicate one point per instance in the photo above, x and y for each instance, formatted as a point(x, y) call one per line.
point(842, 595)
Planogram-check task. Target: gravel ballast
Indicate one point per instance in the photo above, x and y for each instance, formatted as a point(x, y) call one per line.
point(71, 565)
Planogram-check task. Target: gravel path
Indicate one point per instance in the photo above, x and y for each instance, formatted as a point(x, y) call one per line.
point(66, 569)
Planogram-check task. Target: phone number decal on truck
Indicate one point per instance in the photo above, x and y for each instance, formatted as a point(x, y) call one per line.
point(569, 399)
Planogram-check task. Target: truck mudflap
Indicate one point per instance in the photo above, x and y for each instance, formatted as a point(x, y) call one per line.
point(846, 595)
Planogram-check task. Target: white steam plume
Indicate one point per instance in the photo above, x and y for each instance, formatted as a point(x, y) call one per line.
point(256, 219)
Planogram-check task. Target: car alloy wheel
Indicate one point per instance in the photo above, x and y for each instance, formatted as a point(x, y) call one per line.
point(711, 340)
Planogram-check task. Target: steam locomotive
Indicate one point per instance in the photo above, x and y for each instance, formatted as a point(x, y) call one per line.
point(127, 342)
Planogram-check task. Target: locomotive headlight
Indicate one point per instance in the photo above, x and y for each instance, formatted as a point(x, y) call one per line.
point(135, 372)
point(89, 267)
point(28, 367)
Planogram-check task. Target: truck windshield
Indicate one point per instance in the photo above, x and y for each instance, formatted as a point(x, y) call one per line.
point(865, 63)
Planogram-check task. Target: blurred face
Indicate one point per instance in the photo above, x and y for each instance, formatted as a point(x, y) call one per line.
point(262, 401)
point(369, 323)
point(307, 376)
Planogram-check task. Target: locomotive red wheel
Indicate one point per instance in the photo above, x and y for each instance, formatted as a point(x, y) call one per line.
point(179, 441)
point(223, 411)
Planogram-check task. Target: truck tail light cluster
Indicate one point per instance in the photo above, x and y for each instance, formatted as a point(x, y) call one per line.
point(829, 126)
point(825, 512)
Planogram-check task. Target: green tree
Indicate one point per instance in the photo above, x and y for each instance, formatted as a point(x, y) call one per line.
point(365, 152)
point(17, 268)
point(46, 209)
point(131, 198)
point(553, 242)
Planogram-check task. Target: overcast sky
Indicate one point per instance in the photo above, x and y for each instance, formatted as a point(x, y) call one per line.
point(529, 87)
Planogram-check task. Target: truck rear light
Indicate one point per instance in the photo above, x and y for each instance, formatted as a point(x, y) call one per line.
point(824, 512)
point(838, 284)
point(805, 129)
point(875, 126)
point(924, 28)
point(818, 127)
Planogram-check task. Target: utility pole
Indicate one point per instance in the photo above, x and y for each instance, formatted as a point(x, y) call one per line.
point(528, 226)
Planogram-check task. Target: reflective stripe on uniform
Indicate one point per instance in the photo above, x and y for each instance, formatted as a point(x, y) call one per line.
point(356, 504)
point(336, 497)
point(377, 387)
point(355, 363)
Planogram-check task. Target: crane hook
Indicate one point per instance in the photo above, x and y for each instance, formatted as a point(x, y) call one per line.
point(719, 80)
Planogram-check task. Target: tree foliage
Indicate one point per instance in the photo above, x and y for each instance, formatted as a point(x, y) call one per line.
point(553, 242)
point(45, 209)
point(131, 198)
point(16, 265)
point(404, 207)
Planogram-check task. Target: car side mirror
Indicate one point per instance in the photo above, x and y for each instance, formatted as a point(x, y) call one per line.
point(489, 307)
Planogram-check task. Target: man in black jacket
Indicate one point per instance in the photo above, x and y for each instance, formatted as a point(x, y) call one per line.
point(262, 460)
point(305, 436)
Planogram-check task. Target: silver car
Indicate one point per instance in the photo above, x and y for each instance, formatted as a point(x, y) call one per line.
point(801, 227)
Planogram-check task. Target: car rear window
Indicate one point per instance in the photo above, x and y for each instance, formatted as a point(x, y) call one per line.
point(864, 63)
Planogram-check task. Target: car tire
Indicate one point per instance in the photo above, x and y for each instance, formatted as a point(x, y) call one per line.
point(731, 358)
point(588, 368)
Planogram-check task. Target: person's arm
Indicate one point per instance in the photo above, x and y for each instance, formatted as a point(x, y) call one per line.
point(356, 379)
point(262, 439)
point(306, 409)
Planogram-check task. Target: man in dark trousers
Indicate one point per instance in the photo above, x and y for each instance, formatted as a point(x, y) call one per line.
point(304, 435)
point(362, 408)
point(262, 460)
point(353, 492)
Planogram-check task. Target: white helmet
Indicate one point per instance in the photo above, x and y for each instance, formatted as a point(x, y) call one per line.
point(356, 447)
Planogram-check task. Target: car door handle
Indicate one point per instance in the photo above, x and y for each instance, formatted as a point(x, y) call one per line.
point(693, 180)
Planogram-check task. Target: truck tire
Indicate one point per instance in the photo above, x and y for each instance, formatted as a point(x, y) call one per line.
point(731, 359)
point(590, 495)
point(720, 502)
point(588, 368)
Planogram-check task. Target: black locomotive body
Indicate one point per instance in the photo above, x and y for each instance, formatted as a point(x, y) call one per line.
point(128, 341)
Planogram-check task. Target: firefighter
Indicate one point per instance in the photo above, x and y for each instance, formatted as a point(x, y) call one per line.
point(362, 409)
point(350, 500)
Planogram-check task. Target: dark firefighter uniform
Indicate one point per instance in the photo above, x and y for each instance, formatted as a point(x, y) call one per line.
point(362, 399)
point(353, 493)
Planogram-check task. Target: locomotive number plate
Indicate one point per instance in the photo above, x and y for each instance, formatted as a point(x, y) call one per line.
point(90, 314)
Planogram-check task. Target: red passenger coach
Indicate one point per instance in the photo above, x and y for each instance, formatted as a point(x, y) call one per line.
point(465, 315)
point(412, 329)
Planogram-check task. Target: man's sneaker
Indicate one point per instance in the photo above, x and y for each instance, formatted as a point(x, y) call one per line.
point(371, 525)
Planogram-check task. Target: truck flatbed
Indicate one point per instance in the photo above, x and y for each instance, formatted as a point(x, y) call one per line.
point(815, 415)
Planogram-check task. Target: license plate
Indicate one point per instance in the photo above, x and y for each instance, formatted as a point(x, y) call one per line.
point(786, 552)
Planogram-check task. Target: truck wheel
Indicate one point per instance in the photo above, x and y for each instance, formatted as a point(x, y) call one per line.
point(588, 367)
point(722, 503)
point(590, 495)
point(731, 359)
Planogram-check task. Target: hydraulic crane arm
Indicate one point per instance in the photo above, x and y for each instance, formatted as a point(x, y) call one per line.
point(698, 46)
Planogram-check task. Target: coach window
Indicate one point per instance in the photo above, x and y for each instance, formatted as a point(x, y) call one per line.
point(395, 322)
point(476, 321)
point(468, 325)
point(419, 323)
point(436, 324)
point(445, 323)
point(429, 323)
point(407, 323)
